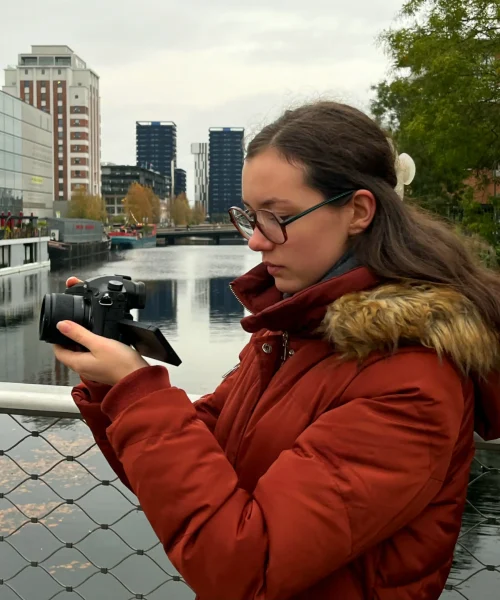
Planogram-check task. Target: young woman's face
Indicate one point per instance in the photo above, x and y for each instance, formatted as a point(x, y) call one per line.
point(315, 242)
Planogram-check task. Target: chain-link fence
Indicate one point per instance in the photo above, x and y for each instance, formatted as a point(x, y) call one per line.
point(476, 569)
point(69, 528)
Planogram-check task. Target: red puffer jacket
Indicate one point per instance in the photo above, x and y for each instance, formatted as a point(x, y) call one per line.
point(327, 466)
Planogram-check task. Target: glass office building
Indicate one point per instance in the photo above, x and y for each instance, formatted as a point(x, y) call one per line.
point(226, 149)
point(26, 159)
point(156, 146)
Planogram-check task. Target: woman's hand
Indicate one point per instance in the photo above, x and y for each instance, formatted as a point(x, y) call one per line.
point(107, 361)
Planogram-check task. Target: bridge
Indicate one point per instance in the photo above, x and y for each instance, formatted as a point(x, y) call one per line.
point(211, 233)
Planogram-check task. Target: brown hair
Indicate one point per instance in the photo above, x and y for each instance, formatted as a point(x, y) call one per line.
point(340, 149)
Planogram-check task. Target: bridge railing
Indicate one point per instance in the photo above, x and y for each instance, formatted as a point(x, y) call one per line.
point(69, 528)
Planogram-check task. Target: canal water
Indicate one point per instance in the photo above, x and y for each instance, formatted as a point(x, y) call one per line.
point(189, 299)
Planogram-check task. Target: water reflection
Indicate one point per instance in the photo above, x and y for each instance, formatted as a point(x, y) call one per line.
point(161, 304)
point(224, 307)
point(188, 297)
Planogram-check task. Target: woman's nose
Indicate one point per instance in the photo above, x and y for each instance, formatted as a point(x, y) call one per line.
point(258, 242)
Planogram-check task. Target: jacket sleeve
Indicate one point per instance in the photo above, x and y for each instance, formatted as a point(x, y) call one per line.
point(354, 477)
point(209, 407)
point(88, 397)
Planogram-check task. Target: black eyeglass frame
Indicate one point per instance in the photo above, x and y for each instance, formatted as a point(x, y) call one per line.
point(283, 224)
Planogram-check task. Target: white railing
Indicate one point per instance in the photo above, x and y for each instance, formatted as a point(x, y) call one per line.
point(85, 533)
point(41, 400)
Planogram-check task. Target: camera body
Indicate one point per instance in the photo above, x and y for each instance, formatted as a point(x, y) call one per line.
point(102, 305)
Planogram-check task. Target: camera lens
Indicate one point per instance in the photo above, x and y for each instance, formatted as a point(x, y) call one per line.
point(61, 307)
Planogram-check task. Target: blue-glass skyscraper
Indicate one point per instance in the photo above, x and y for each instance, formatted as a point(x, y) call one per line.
point(226, 150)
point(156, 144)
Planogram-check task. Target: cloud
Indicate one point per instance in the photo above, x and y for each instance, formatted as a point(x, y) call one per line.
point(203, 64)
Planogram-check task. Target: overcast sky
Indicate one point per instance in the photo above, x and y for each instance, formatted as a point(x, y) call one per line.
point(206, 63)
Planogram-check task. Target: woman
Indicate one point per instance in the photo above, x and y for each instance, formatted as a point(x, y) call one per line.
point(333, 462)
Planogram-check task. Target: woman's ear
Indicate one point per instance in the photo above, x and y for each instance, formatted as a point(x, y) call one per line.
point(363, 205)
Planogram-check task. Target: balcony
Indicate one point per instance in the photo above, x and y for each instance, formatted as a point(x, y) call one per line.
point(70, 529)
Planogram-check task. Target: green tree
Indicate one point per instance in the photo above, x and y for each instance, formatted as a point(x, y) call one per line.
point(85, 206)
point(442, 101)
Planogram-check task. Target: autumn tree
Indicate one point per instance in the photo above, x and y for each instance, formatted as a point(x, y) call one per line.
point(142, 204)
point(154, 201)
point(180, 211)
point(198, 214)
point(85, 206)
point(442, 101)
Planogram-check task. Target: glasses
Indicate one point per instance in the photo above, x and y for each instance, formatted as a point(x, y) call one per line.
point(270, 225)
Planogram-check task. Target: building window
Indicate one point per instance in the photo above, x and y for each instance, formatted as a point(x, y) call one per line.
point(29, 253)
point(60, 122)
point(43, 71)
point(26, 71)
point(61, 187)
point(59, 110)
point(59, 71)
point(4, 262)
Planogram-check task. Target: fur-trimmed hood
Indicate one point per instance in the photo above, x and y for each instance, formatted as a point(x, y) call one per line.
point(390, 316)
point(360, 315)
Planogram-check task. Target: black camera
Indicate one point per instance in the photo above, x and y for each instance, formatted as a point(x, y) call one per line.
point(102, 305)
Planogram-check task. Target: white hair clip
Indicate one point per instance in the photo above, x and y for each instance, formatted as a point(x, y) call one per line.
point(405, 172)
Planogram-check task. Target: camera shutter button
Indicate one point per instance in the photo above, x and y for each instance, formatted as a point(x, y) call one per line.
point(115, 286)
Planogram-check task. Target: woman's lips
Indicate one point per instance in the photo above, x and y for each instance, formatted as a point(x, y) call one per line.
point(273, 269)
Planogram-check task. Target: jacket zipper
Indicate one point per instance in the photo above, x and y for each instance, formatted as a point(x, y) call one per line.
point(285, 347)
point(234, 294)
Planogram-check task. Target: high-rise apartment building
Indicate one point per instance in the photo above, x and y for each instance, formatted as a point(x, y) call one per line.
point(226, 147)
point(200, 153)
point(57, 81)
point(156, 143)
point(180, 179)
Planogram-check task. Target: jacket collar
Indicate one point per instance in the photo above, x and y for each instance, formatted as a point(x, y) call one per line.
point(359, 316)
point(300, 313)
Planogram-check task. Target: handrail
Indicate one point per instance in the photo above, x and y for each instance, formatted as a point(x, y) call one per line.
point(55, 401)
point(41, 400)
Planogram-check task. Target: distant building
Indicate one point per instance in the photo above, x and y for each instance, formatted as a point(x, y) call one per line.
point(156, 146)
point(116, 180)
point(26, 159)
point(57, 81)
point(200, 152)
point(179, 181)
point(225, 166)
